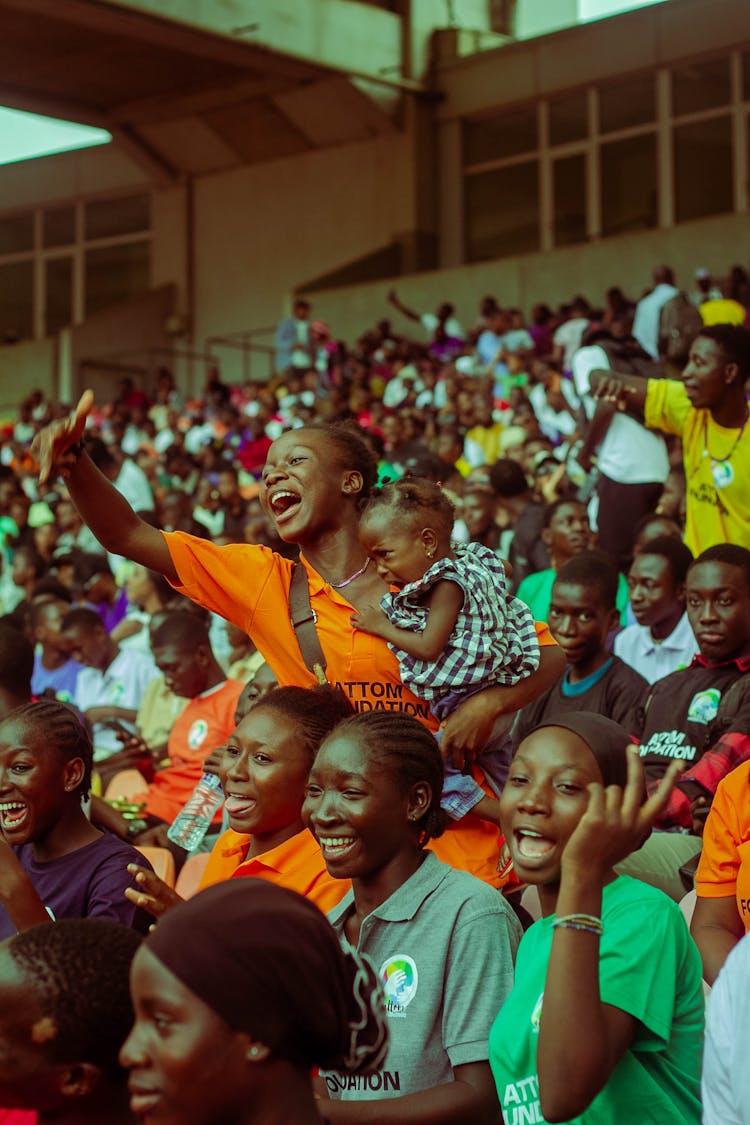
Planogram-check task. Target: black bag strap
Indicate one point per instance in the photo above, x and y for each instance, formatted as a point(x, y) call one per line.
point(303, 621)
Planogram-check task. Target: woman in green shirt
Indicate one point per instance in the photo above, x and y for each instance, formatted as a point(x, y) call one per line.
point(605, 1021)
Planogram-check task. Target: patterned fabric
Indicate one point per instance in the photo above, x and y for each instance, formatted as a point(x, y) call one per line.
point(729, 751)
point(494, 640)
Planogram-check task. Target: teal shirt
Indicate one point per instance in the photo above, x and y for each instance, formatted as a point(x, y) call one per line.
point(536, 591)
point(650, 968)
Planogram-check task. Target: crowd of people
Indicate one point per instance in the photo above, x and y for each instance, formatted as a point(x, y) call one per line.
point(458, 627)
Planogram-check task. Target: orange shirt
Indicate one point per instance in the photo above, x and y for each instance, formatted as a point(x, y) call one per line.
point(724, 867)
point(206, 723)
point(297, 864)
point(250, 587)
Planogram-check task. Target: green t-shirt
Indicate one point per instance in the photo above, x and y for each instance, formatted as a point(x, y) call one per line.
point(650, 968)
point(536, 591)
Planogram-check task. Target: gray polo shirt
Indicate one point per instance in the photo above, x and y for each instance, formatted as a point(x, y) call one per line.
point(443, 945)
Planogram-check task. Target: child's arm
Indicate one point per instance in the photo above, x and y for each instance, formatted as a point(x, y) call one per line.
point(444, 603)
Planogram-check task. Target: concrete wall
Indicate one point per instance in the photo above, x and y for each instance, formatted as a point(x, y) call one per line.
point(714, 244)
point(24, 368)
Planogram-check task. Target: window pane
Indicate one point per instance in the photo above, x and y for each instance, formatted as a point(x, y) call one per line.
point(58, 280)
point(115, 272)
point(570, 200)
point(502, 212)
point(746, 76)
point(700, 86)
point(703, 169)
point(631, 102)
point(16, 233)
point(105, 217)
point(511, 134)
point(59, 226)
point(16, 291)
point(568, 118)
point(629, 196)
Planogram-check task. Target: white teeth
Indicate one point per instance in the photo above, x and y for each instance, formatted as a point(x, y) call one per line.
point(530, 832)
point(336, 842)
point(6, 805)
point(280, 501)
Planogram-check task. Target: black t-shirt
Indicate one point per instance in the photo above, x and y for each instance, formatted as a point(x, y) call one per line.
point(681, 710)
point(619, 693)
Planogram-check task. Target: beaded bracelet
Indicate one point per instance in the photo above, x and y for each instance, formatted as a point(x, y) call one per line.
point(586, 923)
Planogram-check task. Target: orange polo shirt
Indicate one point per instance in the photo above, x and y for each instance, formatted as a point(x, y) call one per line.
point(250, 586)
point(297, 864)
point(724, 867)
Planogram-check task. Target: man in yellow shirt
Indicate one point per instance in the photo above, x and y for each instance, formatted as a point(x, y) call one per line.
point(708, 410)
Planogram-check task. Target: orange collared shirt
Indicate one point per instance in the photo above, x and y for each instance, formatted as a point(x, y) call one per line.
point(297, 864)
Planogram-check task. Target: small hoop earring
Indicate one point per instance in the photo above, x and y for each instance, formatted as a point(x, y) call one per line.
point(254, 1052)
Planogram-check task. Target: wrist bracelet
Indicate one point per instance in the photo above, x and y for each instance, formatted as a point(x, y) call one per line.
point(586, 923)
point(76, 450)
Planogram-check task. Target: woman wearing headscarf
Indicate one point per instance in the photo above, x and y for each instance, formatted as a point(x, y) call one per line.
point(605, 1020)
point(229, 1024)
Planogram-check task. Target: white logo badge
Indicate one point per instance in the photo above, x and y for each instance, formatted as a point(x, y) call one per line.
point(400, 979)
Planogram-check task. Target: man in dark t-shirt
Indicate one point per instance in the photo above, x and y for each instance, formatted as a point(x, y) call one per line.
point(582, 614)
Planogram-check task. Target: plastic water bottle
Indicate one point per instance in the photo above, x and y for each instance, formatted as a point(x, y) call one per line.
point(191, 825)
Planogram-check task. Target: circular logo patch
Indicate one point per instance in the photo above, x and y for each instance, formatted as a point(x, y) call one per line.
point(400, 979)
point(197, 734)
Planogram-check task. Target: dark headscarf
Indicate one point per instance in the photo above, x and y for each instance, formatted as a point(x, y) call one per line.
point(605, 738)
point(268, 963)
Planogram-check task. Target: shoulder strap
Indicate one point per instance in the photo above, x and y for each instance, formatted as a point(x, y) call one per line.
point(303, 621)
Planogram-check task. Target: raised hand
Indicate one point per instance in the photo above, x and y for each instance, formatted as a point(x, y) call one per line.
point(51, 446)
point(617, 821)
point(152, 893)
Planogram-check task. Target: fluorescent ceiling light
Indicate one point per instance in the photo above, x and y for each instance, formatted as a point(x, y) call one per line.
point(25, 136)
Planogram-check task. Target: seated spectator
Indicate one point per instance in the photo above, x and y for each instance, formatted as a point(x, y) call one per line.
point(607, 948)
point(662, 641)
point(482, 441)
point(182, 652)
point(130, 481)
point(264, 769)
point(73, 533)
point(16, 669)
point(54, 670)
point(280, 999)
point(697, 715)
point(56, 864)
point(525, 515)
point(95, 585)
point(234, 506)
point(567, 337)
point(722, 881)
point(28, 567)
point(455, 937)
point(582, 615)
point(566, 533)
point(65, 1011)
point(112, 683)
point(244, 659)
point(148, 593)
point(652, 527)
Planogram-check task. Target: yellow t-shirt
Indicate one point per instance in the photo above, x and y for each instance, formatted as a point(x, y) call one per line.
point(718, 495)
point(722, 310)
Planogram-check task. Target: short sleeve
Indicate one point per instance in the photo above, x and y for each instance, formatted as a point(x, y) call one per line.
point(644, 950)
point(719, 864)
point(478, 979)
point(105, 895)
point(667, 406)
point(429, 321)
point(226, 580)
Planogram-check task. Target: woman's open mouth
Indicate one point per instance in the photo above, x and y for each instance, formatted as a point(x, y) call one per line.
point(283, 503)
point(13, 815)
point(531, 845)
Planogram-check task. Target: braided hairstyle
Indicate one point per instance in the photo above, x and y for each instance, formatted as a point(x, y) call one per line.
point(316, 711)
point(58, 727)
point(79, 971)
point(417, 499)
point(410, 751)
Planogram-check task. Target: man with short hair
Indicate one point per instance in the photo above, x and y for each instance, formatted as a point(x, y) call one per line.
point(182, 652)
point(700, 715)
point(662, 640)
point(111, 685)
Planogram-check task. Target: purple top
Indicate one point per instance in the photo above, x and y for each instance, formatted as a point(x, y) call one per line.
point(112, 615)
point(61, 680)
point(87, 883)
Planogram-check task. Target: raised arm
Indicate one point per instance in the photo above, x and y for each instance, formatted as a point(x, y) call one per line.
point(573, 1069)
point(625, 392)
point(393, 299)
point(18, 894)
point(57, 449)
